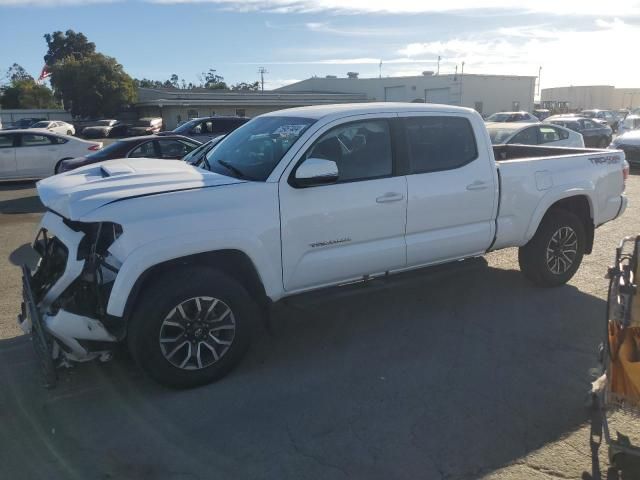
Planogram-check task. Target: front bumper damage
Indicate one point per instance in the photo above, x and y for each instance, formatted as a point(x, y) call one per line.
point(64, 297)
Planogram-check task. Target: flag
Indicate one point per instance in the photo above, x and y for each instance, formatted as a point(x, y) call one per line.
point(44, 74)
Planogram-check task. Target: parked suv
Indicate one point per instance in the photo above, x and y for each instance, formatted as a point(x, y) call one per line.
point(605, 116)
point(146, 126)
point(595, 134)
point(207, 128)
point(523, 117)
point(106, 129)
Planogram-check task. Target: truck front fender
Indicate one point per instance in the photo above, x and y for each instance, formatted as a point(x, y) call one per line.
point(265, 259)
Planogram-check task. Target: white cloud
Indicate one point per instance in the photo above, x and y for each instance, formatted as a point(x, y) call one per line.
point(558, 7)
point(348, 61)
point(600, 53)
point(51, 3)
point(326, 27)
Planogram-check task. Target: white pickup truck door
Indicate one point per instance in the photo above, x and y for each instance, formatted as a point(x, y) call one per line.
point(452, 186)
point(355, 227)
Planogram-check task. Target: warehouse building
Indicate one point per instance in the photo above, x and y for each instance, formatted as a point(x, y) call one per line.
point(577, 98)
point(485, 93)
point(175, 106)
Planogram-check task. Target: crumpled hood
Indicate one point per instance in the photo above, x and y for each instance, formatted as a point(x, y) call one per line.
point(78, 192)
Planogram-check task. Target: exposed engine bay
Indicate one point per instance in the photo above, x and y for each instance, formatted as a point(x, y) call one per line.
point(70, 287)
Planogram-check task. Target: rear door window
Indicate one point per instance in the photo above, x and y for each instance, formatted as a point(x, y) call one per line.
point(173, 149)
point(528, 136)
point(146, 150)
point(548, 134)
point(439, 143)
point(35, 140)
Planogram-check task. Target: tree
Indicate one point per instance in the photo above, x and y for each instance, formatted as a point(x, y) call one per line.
point(246, 87)
point(214, 81)
point(16, 73)
point(146, 83)
point(94, 85)
point(69, 44)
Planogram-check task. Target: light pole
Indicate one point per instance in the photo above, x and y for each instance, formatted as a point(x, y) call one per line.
point(438, 69)
point(539, 74)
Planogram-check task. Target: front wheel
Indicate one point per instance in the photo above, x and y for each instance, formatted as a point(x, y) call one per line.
point(69, 132)
point(555, 252)
point(191, 327)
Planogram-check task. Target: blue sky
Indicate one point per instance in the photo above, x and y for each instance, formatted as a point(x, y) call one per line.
point(575, 42)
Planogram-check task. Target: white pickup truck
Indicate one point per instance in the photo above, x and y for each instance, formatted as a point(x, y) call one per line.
point(179, 260)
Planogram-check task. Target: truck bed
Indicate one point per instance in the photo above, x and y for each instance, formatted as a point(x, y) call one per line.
point(533, 178)
point(505, 153)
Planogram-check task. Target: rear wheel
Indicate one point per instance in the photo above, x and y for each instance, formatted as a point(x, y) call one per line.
point(191, 327)
point(555, 252)
point(56, 169)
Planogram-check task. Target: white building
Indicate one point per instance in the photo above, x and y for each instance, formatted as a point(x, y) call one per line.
point(486, 93)
point(578, 98)
point(175, 106)
point(8, 117)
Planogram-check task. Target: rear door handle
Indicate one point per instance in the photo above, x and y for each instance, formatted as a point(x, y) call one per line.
point(477, 185)
point(390, 197)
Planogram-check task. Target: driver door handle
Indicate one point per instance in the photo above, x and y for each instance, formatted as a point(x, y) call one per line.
point(477, 185)
point(390, 197)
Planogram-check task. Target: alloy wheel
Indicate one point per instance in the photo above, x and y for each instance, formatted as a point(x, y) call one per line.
point(562, 250)
point(196, 333)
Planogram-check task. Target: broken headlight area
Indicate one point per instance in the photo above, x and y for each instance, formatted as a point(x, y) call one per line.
point(51, 266)
point(88, 293)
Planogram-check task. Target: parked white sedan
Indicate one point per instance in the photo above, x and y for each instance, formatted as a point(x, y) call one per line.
point(56, 126)
point(534, 134)
point(38, 153)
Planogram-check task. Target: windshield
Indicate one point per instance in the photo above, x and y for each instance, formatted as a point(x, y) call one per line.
point(40, 125)
point(143, 123)
point(106, 152)
point(185, 127)
point(588, 114)
point(105, 123)
point(196, 156)
point(499, 117)
point(499, 135)
point(253, 150)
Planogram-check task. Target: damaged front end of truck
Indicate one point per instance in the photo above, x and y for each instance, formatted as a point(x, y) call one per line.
point(66, 294)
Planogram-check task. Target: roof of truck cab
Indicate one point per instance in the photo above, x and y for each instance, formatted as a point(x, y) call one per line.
point(346, 109)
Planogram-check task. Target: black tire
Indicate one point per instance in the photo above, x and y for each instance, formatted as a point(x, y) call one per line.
point(56, 169)
point(533, 259)
point(161, 298)
point(70, 133)
point(603, 142)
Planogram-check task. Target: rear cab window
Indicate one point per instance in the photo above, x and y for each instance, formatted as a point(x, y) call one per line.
point(436, 143)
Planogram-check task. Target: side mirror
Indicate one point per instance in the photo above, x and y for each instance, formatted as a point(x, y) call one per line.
point(316, 171)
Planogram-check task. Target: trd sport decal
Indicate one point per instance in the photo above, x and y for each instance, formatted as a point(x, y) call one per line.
point(329, 242)
point(609, 159)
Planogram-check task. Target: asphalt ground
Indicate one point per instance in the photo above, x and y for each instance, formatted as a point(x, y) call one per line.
point(476, 374)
